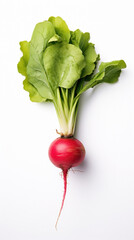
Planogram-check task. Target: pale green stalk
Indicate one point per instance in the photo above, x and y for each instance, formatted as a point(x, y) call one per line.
point(66, 109)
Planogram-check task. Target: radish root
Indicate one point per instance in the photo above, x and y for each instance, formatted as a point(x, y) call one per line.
point(64, 194)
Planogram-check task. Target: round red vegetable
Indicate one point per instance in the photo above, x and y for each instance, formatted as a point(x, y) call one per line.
point(66, 153)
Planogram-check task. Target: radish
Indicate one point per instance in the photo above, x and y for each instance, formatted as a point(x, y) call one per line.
point(59, 65)
point(66, 153)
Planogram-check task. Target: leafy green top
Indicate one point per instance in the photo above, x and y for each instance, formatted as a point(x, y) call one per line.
point(59, 64)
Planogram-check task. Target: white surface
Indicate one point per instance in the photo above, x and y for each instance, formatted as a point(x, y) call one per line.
point(100, 201)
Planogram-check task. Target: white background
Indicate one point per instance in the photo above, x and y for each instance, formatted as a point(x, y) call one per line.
point(100, 201)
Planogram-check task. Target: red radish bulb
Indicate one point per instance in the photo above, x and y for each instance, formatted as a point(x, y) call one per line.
point(66, 153)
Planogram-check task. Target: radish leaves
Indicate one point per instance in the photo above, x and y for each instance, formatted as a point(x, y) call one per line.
point(60, 27)
point(108, 72)
point(63, 63)
point(22, 68)
point(59, 65)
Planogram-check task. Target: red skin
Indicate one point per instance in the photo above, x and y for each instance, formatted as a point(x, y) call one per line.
point(66, 152)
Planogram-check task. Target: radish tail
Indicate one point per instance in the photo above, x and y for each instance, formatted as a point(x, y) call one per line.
point(64, 194)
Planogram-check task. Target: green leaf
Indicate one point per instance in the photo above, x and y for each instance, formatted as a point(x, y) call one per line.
point(119, 63)
point(37, 75)
point(108, 72)
point(112, 70)
point(90, 58)
point(94, 81)
point(22, 68)
point(43, 32)
point(61, 27)
point(76, 37)
point(25, 48)
point(81, 40)
point(63, 64)
point(84, 41)
point(22, 65)
point(33, 93)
